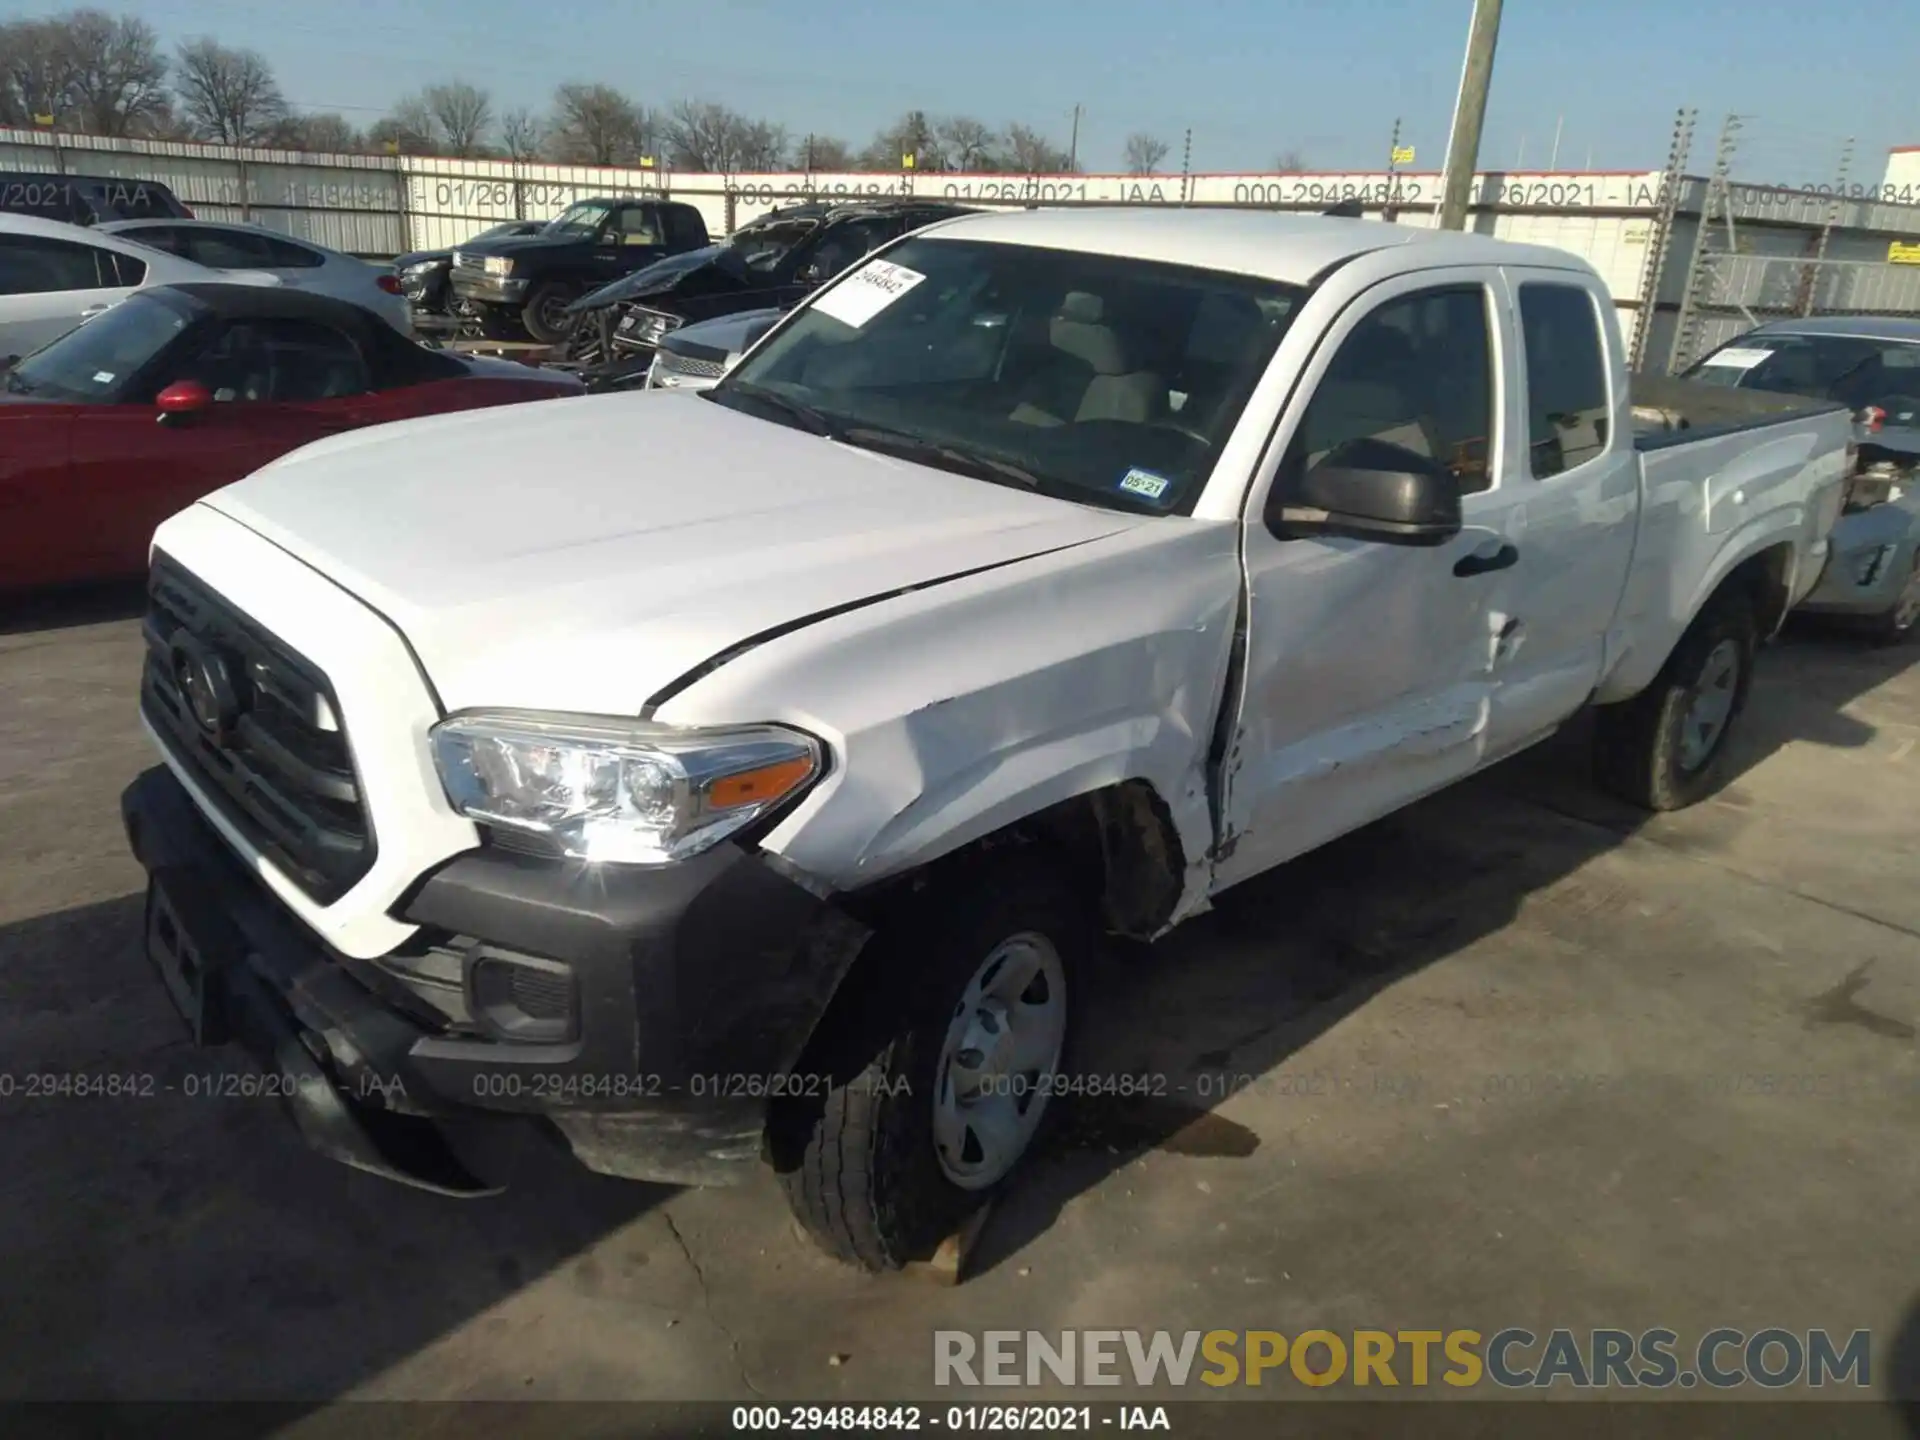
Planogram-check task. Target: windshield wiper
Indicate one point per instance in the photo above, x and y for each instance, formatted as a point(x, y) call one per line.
point(817, 422)
point(15, 385)
point(957, 457)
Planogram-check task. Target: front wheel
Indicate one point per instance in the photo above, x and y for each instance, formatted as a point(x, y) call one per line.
point(1665, 748)
point(546, 315)
point(968, 999)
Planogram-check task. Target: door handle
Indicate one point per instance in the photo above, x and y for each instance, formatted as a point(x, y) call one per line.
point(93, 310)
point(1481, 564)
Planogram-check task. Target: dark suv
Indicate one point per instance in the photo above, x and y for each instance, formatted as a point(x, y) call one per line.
point(87, 199)
point(526, 282)
point(771, 262)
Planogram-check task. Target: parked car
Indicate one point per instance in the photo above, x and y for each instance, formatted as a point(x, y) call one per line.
point(526, 282)
point(695, 356)
point(1050, 572)
point(235, 377)
point(299, 263)
point(53, 276)
point(774, 260)
point(423, 274)
point(1870, 363)
point(87, 199)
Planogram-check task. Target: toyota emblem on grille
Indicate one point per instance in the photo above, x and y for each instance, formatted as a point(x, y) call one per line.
point(205, 685)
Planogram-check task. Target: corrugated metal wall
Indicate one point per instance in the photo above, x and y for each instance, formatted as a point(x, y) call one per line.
point(386, 205)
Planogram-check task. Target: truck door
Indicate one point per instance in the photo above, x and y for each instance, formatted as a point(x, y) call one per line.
point(1568, 507)
point(1368, 679)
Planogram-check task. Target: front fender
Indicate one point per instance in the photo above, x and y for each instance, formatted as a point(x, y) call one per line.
point(959, 710)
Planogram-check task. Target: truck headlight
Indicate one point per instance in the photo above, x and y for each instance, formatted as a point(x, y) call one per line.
point(625, 792)
point(498, 265)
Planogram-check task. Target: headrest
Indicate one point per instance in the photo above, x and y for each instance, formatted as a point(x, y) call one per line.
point(1082, 308)
point(1077, 331)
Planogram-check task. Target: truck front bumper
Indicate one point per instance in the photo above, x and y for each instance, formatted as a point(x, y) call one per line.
point(489, 289)
point(694, 990)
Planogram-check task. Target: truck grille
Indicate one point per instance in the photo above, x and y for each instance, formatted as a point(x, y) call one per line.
point(672, 364)
point(258, 727)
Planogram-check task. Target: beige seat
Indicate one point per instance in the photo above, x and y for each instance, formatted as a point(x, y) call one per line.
point(1092, 373)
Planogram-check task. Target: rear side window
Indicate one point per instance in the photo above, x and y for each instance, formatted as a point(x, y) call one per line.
point(127, 270)
point(161, 237)
point(285, 255)
point(223, 249)
point(39, 265)
point(1567, 409)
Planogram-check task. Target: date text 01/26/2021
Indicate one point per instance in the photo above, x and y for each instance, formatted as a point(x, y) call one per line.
point(961, 1419)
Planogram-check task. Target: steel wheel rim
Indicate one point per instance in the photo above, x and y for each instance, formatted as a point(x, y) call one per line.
point(1711, 705)
point(552, 314)
point(1003, 1045)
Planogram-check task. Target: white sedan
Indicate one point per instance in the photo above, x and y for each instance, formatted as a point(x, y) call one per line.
point(301, 264)
point(54, 276)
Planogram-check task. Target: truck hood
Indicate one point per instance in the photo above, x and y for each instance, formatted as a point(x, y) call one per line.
point(585, 554)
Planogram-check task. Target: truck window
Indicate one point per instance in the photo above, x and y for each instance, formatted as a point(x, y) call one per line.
point(1566, 378)
point(685, 229)
point(1417, 372)
point(637, 225)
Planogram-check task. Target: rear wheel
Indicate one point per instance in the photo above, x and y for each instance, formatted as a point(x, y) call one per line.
point(1665, 748)
point(967, 1007)
point(546, 315)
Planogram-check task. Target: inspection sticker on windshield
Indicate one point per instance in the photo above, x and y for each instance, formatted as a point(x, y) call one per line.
point(1144, 483)
point(1736, 358)
point(866, 292)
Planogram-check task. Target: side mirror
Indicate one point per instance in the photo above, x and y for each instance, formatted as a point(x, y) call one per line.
point(181, 399)
point(1370, 490)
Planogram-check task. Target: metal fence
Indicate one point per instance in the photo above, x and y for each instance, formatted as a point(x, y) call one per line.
point(1738, 292)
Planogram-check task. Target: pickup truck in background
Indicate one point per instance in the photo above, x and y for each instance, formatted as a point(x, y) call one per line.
point(1047, 575)
point(524, 283)
point(774, 260)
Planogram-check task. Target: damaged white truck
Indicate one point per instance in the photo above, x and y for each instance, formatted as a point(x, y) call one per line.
point(753, 786)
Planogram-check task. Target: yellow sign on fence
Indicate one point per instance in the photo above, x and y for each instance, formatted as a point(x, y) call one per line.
point(1403, 154)
point(1903, 252)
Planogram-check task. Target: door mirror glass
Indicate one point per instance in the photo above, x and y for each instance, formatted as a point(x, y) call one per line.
point(1369, 490)
point(183, 397)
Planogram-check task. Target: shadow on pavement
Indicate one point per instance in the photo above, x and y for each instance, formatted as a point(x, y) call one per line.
point(71, 606)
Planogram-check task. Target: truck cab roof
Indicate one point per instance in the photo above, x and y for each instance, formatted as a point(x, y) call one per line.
point(1293, 249)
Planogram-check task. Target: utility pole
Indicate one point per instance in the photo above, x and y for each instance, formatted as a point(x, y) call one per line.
point(1469, 114)
point(1073, 145)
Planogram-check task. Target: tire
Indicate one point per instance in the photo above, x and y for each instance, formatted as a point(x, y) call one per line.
point(1643, 749)
point(861, 1164)
point(1898, 623)
point(543, 318)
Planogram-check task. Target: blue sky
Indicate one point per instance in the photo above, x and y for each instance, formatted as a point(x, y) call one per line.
point(1251, 77)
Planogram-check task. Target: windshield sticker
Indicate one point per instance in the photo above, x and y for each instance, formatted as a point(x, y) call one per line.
point(103, 377)
point(866, 292)
point(1144, 483)
point(1736, 358)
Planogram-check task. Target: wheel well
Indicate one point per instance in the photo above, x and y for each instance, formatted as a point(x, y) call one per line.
point(1764, 580)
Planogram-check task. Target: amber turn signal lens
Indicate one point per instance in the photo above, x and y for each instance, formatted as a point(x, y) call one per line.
point(756, 787)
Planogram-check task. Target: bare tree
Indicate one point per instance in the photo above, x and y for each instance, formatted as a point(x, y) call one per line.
point(409, 130)
point(597, 125)
point(966, 143)
point(823, 152)
point(1144, 153)
point(118, 78)
point(702, 136)
point(228, 96)
point(1290, 162)
point(912, 134)
point(325, 133)
point(36, 72)
point(462, 115)
point(520, 134)
point(1033, 154)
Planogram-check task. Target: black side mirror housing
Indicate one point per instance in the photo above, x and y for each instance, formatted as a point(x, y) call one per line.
point(1369, 490)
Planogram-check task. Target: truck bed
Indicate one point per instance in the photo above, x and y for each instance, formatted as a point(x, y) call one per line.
point(1671, 411)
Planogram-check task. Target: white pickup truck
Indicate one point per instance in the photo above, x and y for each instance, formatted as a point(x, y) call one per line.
point(754, 784)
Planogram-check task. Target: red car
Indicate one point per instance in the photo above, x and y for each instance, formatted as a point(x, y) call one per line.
point(180, 389)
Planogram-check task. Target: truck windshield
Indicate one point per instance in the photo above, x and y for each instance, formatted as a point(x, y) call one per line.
point(1855, 370)
point(581, 219)
point(92, 364)
point(1101, 379)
